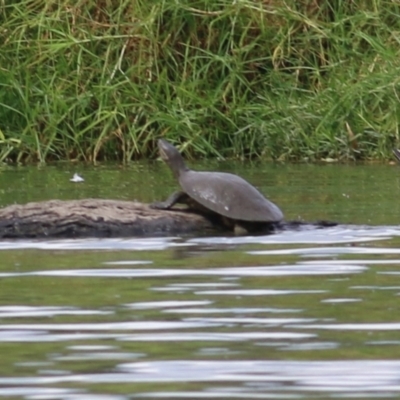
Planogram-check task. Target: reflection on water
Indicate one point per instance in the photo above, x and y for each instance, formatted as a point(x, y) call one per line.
point(202, 317)
point(334, 235)
point(295, 315)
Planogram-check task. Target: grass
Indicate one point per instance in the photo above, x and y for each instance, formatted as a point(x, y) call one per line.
point(290, 80)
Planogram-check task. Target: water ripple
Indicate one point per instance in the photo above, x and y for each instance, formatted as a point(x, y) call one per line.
point(14, 336)
point(328, 251)
point(136, 244)
point(108, 326)
point(167, 304)
point(286, 270)
point(253, 321)
point(338, 234)
point(241, 310)
point(31, 311)
point(351, 376)
point(259, 292)
point(384, 326)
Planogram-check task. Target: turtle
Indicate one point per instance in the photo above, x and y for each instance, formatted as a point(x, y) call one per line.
point(239, 204)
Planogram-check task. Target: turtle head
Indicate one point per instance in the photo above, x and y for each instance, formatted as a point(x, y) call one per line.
point(172, 157)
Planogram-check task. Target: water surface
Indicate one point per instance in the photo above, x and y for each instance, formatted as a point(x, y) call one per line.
point(295, 315)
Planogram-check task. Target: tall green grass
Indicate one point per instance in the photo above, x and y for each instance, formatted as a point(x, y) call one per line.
point(284, 79)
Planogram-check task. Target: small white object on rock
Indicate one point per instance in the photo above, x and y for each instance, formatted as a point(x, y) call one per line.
point(76, 178)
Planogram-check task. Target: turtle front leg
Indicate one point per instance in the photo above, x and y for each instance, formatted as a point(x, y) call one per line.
point(174, 198)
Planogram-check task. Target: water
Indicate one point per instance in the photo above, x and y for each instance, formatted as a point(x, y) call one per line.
point(295, 315)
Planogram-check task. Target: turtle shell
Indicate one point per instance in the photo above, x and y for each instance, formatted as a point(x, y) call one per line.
point(229, 195)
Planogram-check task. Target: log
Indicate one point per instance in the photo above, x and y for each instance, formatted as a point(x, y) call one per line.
point(97, 218)
point(116, 218)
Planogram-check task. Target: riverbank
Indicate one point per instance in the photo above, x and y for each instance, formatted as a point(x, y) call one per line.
point(282, 80)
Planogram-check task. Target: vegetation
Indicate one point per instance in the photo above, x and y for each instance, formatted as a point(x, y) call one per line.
point(283, 79)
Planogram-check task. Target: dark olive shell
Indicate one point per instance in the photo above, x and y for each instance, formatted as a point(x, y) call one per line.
point(229, 195)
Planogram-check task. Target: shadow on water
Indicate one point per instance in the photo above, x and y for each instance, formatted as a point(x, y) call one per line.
point(295, 315)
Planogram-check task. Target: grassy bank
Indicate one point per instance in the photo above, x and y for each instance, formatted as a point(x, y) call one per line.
point(95, 80)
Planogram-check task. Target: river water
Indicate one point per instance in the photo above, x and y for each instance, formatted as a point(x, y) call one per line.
point(310, 314)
